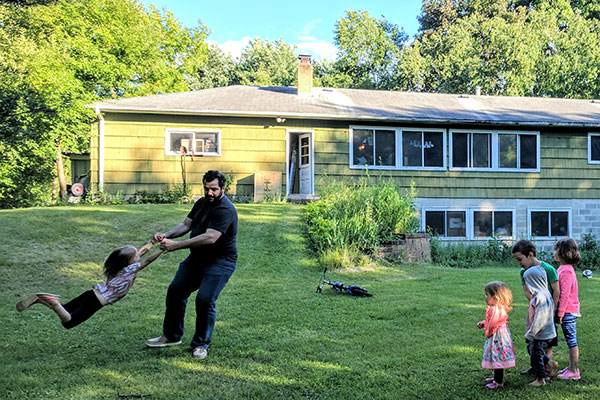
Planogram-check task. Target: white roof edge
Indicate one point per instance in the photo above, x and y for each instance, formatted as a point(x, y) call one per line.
point(226, 113)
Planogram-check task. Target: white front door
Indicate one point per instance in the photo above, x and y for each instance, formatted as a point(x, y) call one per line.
point(305, 166)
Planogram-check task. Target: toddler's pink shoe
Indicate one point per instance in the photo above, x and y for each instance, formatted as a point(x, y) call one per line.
point(570, 375)
point(494, 385)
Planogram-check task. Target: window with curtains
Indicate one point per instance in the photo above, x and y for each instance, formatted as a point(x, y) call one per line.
point(196, 142)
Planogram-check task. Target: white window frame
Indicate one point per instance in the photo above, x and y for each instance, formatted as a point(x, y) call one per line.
point(590, 135)
point(496, 150)
point(470, 221)
point(472, 224)
point(398, 138)
point(169, 131)
point(446, 210)
point(549, 210)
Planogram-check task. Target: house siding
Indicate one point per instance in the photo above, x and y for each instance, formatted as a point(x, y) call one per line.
point(135, 159)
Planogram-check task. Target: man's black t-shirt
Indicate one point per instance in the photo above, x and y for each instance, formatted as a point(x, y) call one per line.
point(221, 216)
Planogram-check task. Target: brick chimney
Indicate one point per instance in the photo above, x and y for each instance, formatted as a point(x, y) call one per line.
point(305, 74)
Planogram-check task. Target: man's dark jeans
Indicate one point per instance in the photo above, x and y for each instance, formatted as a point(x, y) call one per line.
point(209, 278)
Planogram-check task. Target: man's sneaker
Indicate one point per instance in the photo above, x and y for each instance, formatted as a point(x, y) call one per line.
point(569, 375)
point(199, 353)
point(161, 341)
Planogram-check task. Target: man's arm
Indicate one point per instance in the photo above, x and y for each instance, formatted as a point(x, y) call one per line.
point(181, 229)
point(208, 237)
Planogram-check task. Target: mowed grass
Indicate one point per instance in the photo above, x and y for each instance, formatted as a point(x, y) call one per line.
point(275, 338)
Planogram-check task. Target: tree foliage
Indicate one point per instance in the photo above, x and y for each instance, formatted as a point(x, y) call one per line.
point(540, 48)
point(267, 63)
point(56, 57)
point(368, 54)
point(217, 70)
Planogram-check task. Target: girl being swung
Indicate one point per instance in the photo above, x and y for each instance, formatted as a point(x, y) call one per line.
point(120, 268)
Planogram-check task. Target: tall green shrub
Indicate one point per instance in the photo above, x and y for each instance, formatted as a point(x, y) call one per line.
point(360, 216)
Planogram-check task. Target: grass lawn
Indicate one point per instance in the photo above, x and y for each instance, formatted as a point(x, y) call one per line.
point(275, 337)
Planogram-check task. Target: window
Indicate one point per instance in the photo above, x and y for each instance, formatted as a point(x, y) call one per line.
point(446, 223)
point(205, 143)
point(517, 151)
point(422, 149)
point(549, 223)
point(373, 147)
point(594, 148)
point(494, 150)
point(396, 148)
point(492, 223)
point(471, 150)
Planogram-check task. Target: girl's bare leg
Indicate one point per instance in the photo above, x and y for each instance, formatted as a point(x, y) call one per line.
point(574, 359)
point(53, 303)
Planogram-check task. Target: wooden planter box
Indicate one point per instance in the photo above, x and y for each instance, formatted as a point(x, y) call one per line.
point(410, 247)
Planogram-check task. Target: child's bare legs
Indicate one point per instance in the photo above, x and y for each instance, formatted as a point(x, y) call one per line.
point(574, 359)
point(538, 382)
point(53, 303)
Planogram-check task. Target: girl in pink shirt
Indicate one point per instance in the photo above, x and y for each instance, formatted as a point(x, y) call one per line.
point(498, 352)
point(120, 268)
point(567, 255)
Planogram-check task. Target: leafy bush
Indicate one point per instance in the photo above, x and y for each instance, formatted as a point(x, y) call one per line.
point(175, 194)
point(590, 252)
point(460, 255)
point(358, 217)
point(104, 198)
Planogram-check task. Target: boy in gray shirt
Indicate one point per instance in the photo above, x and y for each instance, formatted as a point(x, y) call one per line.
point(540, 323)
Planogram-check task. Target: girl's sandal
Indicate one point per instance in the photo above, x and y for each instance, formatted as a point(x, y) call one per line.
point(26, 303)
point(44, 297)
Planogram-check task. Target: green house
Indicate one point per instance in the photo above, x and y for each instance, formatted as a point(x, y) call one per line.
point(483, 166)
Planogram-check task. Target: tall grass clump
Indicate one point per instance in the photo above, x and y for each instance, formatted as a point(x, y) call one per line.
point(352, 219)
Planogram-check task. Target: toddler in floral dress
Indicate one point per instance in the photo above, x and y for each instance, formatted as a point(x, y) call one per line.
point(498, 352)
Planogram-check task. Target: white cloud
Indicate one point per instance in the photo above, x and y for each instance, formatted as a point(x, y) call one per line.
point(234, 47)
point(318, 48)
point(310, 25)
point(307, 38)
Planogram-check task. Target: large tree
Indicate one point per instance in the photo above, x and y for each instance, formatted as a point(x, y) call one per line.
point(217, 70)
point(267, 63)
point(58, 56)
point(368, 54)
point(542, 49)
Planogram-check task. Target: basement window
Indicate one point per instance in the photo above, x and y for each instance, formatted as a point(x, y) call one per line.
point(492, 223)
point(446, 223)
point(549, 223)
point(194, 142)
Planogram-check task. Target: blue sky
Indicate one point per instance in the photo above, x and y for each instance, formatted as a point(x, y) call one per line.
point(308, 24)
